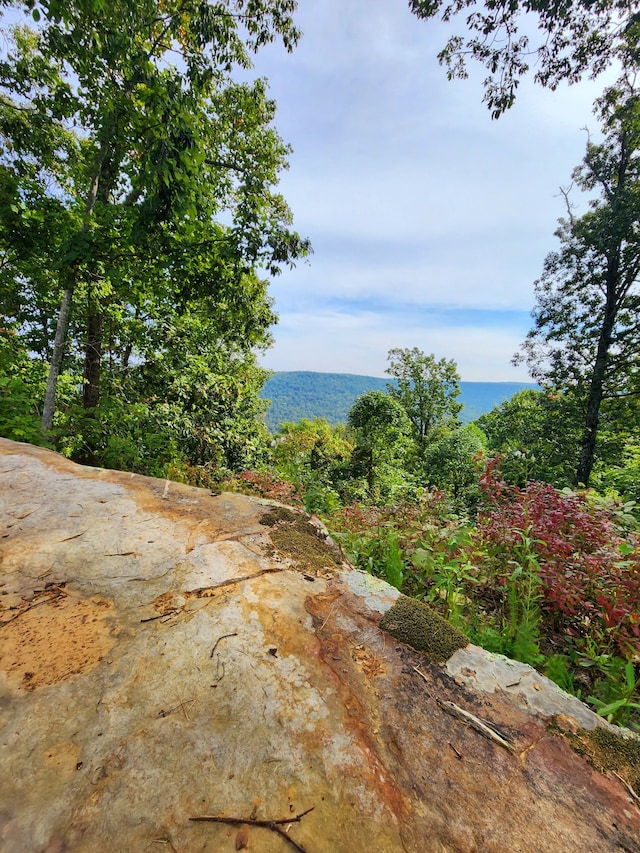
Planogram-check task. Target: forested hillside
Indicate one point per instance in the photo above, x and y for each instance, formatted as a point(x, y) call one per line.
point(300, 394)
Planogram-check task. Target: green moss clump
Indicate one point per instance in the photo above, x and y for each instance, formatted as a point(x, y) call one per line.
point(295, 537)
point(278, 515)
point(607, 750)
point(415, 624)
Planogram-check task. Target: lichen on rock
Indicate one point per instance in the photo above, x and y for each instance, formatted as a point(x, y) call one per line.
point(414, 623)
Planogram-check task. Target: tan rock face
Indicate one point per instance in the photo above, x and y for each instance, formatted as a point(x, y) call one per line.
point(167, 654)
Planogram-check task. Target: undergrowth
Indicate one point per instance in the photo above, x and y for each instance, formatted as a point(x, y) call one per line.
point(546, 577)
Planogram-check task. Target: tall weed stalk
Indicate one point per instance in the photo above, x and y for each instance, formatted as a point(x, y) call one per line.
point(522, 627)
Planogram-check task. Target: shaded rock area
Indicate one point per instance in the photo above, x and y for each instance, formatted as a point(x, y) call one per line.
point(167, 654)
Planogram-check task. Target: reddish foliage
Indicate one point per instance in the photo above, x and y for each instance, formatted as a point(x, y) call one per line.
point(407, 518)
point(267, 485)
point(590, 570)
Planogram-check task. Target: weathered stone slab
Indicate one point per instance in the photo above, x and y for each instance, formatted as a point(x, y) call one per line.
point(166, 653)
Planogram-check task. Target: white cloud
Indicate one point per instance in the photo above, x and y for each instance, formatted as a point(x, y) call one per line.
point(409, 191)
point(345, 343)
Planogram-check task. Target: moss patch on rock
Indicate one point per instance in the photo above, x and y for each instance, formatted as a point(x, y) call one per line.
point(415, 624)
point(295, 537)
point(609, 751)
point(278, 515)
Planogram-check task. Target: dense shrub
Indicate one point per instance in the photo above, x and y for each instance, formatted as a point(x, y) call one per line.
point(589, 567)
point(265, 484)
point(548, 577)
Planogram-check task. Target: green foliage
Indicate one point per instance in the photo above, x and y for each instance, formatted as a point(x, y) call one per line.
point(311, 451)
point(381, 430)
point(374, 550)
point(444, 569)
point(321, 500)
point(620, 689)
point(536, 434)
point(427, 390)
point(563, 41)
point(137, 190)
point(393, 562)
point(451, 464)
point(623, 478)
point(21, 385)
point(522, 629)
point(371, 536)
point(314, 456)
point(132, 436)
point(586, 337)
point(559, 669)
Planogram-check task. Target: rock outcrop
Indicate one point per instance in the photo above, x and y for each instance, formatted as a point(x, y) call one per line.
point(170, 654)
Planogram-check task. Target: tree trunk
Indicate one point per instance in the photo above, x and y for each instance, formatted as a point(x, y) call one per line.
point(95, 314)
point(596, 386)
point(62, 326)
point(93, 356)
point(56, 359)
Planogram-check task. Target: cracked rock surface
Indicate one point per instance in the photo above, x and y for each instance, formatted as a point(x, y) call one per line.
point(167, 653)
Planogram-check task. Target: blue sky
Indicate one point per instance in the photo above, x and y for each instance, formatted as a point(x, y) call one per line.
point(430, 222)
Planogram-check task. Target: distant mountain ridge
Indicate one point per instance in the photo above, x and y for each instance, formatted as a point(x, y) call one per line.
point(304, 394)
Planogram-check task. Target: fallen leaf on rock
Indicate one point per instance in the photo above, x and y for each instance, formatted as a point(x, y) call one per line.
point(242, 839)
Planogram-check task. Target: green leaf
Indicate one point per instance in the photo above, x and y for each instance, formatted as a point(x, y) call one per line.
point(630, 676)
point(612, 707)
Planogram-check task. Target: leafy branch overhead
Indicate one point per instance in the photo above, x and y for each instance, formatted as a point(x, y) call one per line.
point(561, 41)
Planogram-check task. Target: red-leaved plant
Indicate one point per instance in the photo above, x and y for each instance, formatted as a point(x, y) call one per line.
point(589, 567)
point(265, 484)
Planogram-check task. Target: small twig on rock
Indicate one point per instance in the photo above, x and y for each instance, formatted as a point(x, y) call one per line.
point(223, 637)
point(160, 616)
point(455, 750)
point(206, 591)
point(190, 702)
point(273, 825)
point(62, 590)
point(328, 616)
point(69, 538)
point(31, 605)
point(219, 677)
point(165, 841)
point(184, 710)
point(483, 727)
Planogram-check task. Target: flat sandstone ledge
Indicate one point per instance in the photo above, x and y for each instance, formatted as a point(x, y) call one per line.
point(168, 654)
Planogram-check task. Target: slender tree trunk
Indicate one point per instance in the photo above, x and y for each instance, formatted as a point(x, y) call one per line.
point(93, 356)
point(62, 326)
point(56, 359)
point(93, 351)
point(596, 386)
point(126, 356)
